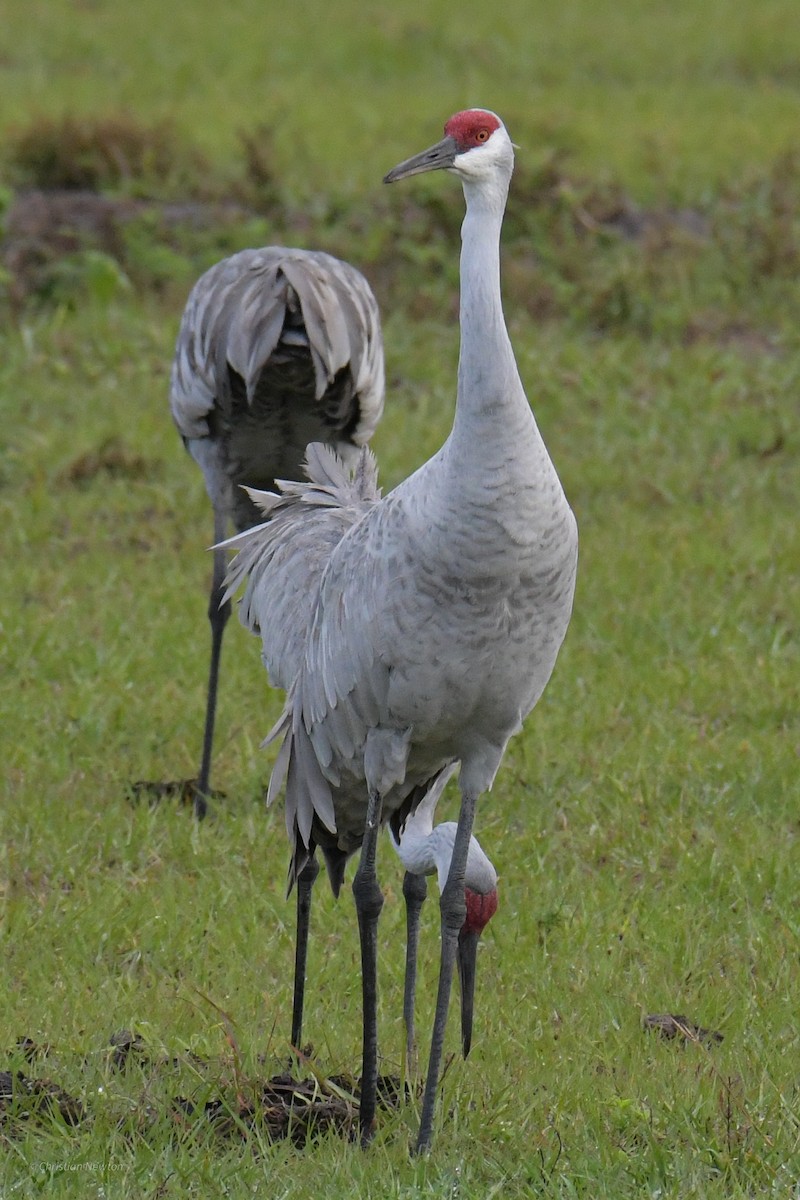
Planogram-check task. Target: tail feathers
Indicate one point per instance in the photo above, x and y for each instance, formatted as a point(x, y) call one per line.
point(282, 562)
point(309, 807)
point(244, 308)
point(267, 502)
point(323, 466)
point(308, 793)
point(335, 862)
point(301, 857)
point(283, 727)
point(326, 328)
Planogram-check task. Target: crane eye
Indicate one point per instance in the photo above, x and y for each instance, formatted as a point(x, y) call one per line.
point(481, 135)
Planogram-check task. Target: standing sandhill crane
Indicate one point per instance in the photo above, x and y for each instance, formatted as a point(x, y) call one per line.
point(427, 849)
point(276, 348)
point(437, 612)
point(284, 585)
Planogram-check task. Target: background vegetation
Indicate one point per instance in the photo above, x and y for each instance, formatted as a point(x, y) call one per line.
point(645, 824)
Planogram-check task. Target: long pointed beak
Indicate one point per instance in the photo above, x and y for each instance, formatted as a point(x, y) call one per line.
point(466, 957)
point(437, 158)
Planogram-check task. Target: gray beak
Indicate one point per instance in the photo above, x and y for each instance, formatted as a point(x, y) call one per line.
point(466, 957)
point(439, 157)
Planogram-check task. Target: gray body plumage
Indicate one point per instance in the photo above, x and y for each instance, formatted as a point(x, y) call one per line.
point(277, 348)
point(409, 632)
point(433, 617)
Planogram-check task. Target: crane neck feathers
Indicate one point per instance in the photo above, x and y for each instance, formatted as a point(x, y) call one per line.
point(427, 851)
point(488, 378)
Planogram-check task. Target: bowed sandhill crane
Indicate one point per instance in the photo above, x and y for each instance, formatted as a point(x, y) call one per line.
point(437, 612)
point(427, 849)
point(276, 348)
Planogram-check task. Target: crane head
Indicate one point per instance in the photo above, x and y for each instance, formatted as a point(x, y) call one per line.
point(474, 140)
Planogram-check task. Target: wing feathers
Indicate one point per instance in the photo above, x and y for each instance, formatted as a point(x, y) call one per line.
point(282, 561)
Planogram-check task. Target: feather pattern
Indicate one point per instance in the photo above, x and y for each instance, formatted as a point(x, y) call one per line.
point(282, 560)
point(277, 348)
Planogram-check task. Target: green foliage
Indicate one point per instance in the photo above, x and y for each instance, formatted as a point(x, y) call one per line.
point(89, 275)
point(645, 822)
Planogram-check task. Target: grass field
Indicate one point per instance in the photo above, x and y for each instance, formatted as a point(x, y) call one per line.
point(645, 824)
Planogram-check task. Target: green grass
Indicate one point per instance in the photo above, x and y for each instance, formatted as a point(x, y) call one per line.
point(645, 824)
point(674, 94)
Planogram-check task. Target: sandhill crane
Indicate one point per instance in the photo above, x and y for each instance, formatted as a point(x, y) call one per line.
point(276, 348)
point(427, 849)
point(437, 612)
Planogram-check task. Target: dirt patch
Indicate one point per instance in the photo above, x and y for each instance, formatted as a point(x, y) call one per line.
point(156, 791)
point(226, 1103)
point(112, 457)
point(285, 1107)
point(24, 1100)
point(674, 1027)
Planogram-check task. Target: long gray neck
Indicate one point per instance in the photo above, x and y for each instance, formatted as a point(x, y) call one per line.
point(491, 404)
point(486, 362)
point(492, 486)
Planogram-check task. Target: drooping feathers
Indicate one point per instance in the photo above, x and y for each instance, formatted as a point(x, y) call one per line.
point(282, 562)
point(257, 302)
point(283, 559)
point(277, 348)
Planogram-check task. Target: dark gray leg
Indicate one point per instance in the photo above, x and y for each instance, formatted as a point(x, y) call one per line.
point(369, 902)
point(454, 911)
point(415, 889)
point(305, 883)
point(218, 615)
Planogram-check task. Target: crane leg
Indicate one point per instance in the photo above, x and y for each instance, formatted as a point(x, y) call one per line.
point(218, 615)
point(415, 890)
point(369, 902)
point(453, 911)
point(305, 883)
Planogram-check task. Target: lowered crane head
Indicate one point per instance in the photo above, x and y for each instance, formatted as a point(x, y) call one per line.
point(481, 907)
point(425, 849)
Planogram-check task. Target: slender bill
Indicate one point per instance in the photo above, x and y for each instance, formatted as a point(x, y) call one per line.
point(466, 957)
point(481, 907)
point(437, 158)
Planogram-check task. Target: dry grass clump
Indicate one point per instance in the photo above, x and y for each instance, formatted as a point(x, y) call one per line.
point(99, 153)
